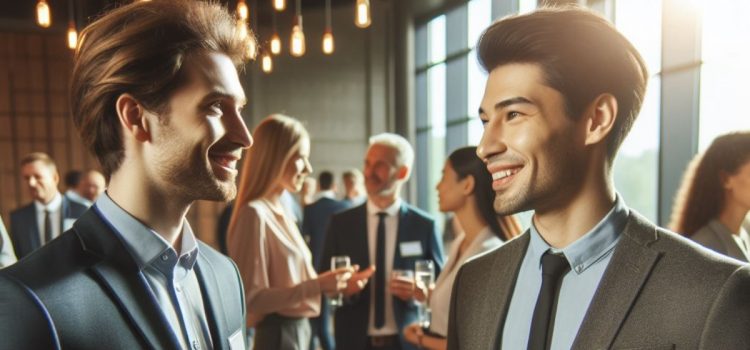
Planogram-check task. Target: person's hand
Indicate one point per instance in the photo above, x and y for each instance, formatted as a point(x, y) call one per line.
point(334, 281)
point(403, 288)
point(413, 333)
point(358, 280)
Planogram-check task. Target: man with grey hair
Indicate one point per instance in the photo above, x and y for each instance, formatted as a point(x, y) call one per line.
point(386, 234)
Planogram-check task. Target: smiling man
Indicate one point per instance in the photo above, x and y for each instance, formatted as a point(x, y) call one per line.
point(564, 89)
point(156, 97)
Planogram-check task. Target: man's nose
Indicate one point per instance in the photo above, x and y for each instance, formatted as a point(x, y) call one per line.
point(237, 131)
point(491, 142)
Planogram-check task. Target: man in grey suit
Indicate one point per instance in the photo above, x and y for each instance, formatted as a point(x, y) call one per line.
point(49, 214)
point(156, 97)
point(563, 90)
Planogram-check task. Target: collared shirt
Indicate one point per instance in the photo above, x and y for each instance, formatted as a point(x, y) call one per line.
point(588, 257)
point(324, 194)
point(170, 275)
point(55, 215)
point(391, 232)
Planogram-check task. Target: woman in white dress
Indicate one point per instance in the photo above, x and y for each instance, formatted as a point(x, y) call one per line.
point(282, 289)
point(714, 198)
point(466, 190)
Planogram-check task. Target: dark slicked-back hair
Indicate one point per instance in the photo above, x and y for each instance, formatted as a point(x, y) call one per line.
point(582, 56)
point(701, 196)
point(465, 162)
point(140, 49)
point(325, 180)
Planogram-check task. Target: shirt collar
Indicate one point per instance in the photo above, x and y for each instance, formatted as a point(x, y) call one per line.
point(392, 210)
point(325, 194)
point(592, 246)
point(145, 244)
point(54, 205)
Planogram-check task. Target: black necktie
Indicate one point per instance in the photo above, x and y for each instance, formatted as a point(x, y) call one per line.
point(380, 273)
point(47, 227)
point(554, 268)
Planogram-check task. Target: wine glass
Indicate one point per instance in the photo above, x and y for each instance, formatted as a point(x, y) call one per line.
point(338, 262)
point(424, 278)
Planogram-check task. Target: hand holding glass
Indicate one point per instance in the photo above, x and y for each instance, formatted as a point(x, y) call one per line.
point(338, 262)
point(424, 279)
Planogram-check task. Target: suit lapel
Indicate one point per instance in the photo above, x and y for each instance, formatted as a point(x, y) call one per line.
point(623, 280)
point(361, 246)
point(126, 284)
point(212, 301)
point(507, 265)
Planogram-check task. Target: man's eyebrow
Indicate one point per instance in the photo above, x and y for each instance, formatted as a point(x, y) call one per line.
point(241, 100)
point(509, 102)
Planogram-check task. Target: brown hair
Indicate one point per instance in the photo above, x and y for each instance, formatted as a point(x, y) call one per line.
point(39, 157)
point(582, 56)
point(139, 49)
point(700, 198)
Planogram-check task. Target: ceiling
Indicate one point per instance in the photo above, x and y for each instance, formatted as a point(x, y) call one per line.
point(20, 14)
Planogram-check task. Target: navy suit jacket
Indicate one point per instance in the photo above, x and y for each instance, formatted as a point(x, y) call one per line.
point(84, 290)
point(24, 226)
point(347, 235)
point(314, 226)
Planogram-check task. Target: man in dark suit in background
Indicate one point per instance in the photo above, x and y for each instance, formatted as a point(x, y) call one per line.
point(563, 91)
point(385, 234)
point(156, 97)
point(316, 216)
point(49, 215)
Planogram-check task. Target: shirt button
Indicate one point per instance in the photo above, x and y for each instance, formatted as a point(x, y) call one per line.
point(196, 346)
point(165, 257)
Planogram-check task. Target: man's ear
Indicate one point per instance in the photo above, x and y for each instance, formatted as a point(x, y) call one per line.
point(131, 114)
point(403, 172)
point(600, 118)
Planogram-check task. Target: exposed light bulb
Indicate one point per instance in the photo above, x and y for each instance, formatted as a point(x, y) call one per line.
point(275, 44)
point(328, 42)
point(266, 63)
point(252, 49)
point(362, 14)
point(242, 11)
point(72, 36)
point(279, 5)
point(43, 16)
point(242, 28)
point(298, 40)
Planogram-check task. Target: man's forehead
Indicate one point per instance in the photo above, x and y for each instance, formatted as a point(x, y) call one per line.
point(214, 71)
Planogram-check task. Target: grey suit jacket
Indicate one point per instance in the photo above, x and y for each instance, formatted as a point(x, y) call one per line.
point(84, 290)
point(24, 228)
point(660, 291)
point(717, 237)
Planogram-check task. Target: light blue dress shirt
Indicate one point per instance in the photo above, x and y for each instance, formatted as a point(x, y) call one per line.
point(588, 258)
point(172, 278)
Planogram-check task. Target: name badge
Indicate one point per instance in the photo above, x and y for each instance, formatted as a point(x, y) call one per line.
point(236, 341)
point(413, 248)
point(67, 224)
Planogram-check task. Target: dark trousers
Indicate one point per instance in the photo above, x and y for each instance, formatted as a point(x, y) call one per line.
point(321, 327)
point(278, 332)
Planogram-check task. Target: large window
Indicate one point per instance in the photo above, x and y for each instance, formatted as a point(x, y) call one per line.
point(725, 72)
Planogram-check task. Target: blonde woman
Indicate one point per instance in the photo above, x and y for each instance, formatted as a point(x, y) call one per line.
point(282, 289)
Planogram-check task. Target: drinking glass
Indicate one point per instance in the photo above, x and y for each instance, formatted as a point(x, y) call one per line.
point(424, 278)
point(338, 262)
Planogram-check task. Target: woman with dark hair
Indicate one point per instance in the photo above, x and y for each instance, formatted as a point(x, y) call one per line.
point(466, 190)
point(714, 198)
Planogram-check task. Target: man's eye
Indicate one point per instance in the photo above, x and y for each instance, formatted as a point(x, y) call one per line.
point(512, 115)
point(484, 122)
point(217, 106)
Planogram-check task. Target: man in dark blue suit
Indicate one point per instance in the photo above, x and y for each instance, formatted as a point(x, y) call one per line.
point(385, 234)
point(49, 215)
point(316, 217)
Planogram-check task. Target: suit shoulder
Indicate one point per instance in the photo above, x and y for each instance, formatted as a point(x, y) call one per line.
point(52, 262)
point(419, 213)
point(684, 249)
point(214, 256)
point(348, 214)
point(483, 261)
point(75, 207)
point(21, 211)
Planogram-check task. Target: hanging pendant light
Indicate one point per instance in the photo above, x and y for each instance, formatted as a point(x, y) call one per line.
point(72, 36)
point(362, 17)
point(242, 11)
point(267, 62)
point(297, 43)
point(43, 15)
point(275, 38)
point(328, 46)
point(279, 5)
